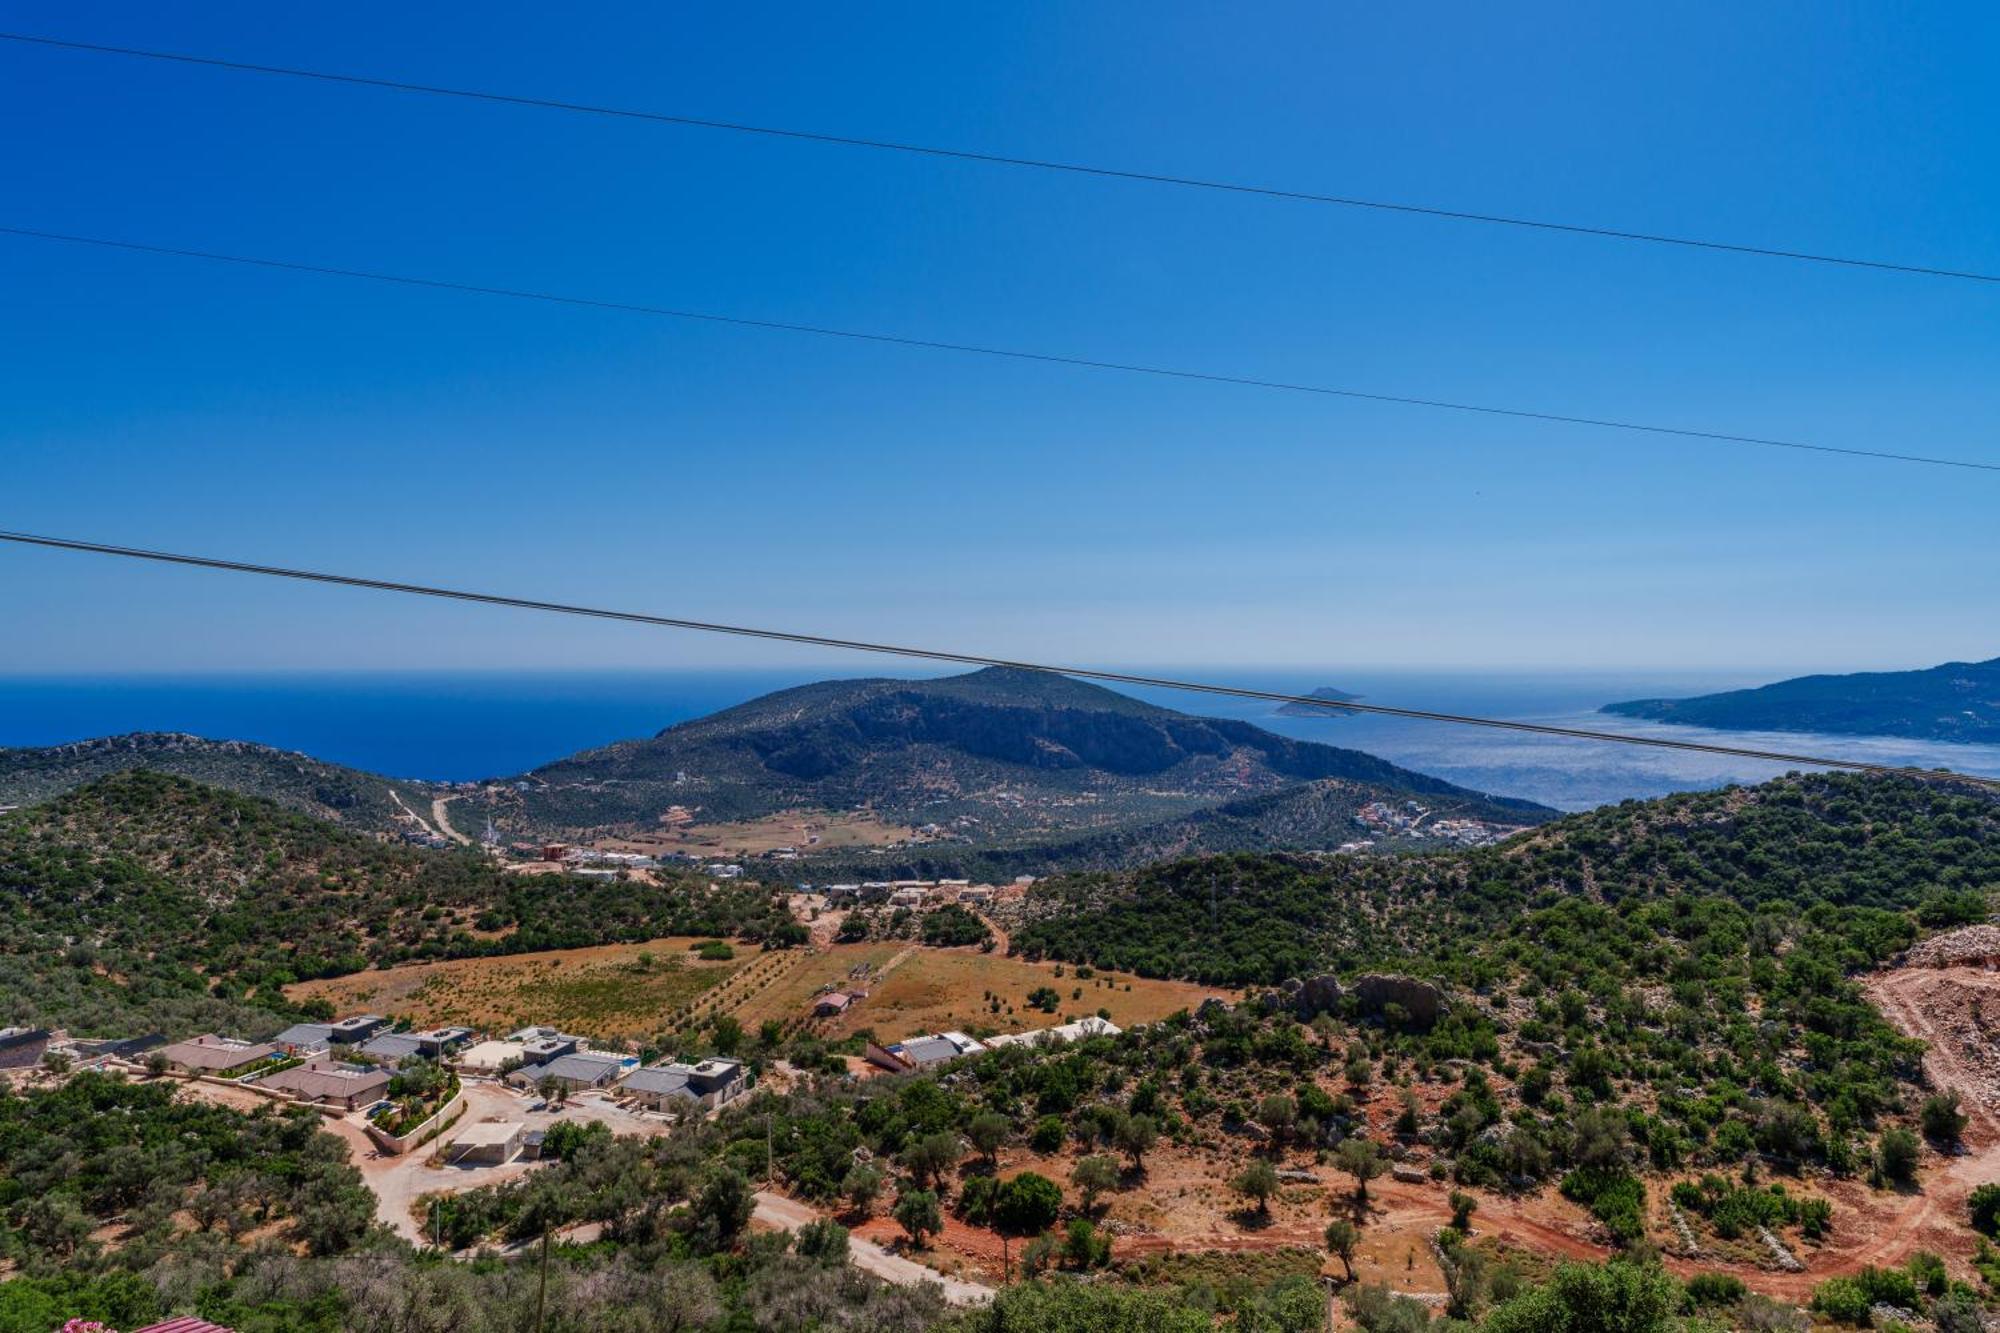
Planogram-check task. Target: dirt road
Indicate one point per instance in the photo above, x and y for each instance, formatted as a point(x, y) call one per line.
point(444, 821)
point(789, 1215)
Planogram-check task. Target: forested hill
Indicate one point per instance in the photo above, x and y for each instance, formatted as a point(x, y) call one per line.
point(1017, 750)
point(1959, 701)
point(1308, 817)
point(299, 782)
point(144, 901)
point(1786, 847)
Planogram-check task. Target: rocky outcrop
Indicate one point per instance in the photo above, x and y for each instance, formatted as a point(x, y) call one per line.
point(1307, 997)
point(1418, 1004)
point(1421, 1004)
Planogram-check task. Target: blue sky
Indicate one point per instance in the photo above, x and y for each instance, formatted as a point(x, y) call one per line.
point(1034, 511)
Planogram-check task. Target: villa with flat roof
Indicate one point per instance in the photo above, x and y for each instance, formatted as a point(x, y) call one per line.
point(705, 1083)
point(210, 1054)
point(329, 1082)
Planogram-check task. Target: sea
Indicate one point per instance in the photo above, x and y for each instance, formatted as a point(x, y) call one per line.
point(461, 726)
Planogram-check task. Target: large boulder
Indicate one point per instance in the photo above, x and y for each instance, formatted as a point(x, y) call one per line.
point(1312, 996)
point(1421, 1004)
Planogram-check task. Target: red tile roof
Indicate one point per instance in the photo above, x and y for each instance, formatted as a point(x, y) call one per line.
point(184, 1324)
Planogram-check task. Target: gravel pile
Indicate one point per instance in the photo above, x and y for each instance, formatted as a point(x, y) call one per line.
point(1971, 944)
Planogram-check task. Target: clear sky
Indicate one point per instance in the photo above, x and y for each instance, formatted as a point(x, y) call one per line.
point(1029, 510)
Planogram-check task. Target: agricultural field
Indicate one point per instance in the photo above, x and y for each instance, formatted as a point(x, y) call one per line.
point(615, 990)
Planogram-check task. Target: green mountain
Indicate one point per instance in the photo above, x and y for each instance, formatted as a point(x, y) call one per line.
point(344, 795)
point(143, 900)
point(1789, 847)
point(999, 757)
point(1959, 701)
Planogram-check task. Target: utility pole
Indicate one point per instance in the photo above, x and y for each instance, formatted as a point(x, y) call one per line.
point(542, 1292)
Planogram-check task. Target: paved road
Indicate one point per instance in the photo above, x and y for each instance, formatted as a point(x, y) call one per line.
point(789, 1215)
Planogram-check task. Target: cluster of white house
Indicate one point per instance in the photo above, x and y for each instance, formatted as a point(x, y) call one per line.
point(906, 892)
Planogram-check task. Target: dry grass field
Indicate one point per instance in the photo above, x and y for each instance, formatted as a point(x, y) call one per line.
point(819, 830)
point(607, 991)
point(932, 990)
point(789, 996)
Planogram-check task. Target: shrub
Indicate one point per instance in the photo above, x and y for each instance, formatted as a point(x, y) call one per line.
point(1614, 1196)
point(1985, 1207)
point(824, 1241)
point(1887, 1286)
point(918, 1214)
point(1620, 1295)
point(1712, 1291)
point(1896, 1154)
point(1028, 1204)
point(1928, 1272)
point(1048, 1134)
point(1841, 1299)
point(1942, 1121)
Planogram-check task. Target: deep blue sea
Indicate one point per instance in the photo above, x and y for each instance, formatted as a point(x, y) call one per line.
point(486, 724)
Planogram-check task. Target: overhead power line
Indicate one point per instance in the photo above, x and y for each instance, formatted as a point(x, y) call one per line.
point(966, 659)
point(1002, 159)
point(976, 349)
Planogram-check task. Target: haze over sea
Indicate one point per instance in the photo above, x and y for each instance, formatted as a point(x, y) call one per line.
point(464, 725)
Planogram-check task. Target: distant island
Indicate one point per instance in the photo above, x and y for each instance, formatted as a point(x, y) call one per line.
point(1959, 701)
point(1326, 692)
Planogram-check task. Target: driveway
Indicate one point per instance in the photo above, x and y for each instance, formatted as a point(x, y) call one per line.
point(789, 1215)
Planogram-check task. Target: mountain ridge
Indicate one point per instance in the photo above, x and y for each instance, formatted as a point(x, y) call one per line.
point(335, 792)
point(961, 747)
point(1954, 701)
